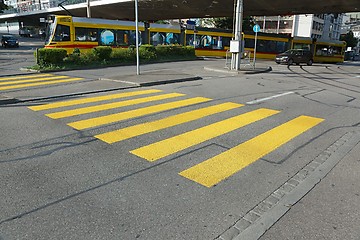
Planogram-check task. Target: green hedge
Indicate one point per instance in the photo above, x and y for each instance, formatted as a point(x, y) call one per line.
point(104, 55)
point(102, 52)
point(48, 56)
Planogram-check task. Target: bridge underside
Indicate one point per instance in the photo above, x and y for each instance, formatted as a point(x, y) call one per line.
point(175, 9)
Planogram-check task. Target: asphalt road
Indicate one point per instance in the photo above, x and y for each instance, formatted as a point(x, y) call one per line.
point(72, 175)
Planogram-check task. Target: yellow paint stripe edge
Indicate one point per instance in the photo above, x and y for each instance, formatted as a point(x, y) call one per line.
point(104, 107)
point(158, 150)
point(222, 166)
point(117, 117)
point(91, 100)
point(32, 80)
point(144, 128)
point(39, 84)
point(25, 77)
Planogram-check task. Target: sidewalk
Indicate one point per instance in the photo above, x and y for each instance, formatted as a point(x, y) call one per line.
point(331, 210)
point(151, 75)
point(320, 202)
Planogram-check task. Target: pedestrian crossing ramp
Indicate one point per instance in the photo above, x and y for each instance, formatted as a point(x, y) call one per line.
point(209, 172)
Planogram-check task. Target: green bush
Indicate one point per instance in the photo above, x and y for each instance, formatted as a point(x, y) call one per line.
point(75, 57)
point(174, 51)
point(89, 57)
point(147, 52)
point(102, 52)
point(123, 54)
point(50, 56)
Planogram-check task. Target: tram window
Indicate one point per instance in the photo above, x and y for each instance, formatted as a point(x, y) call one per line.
point(190, 40)
point(86, 34)
point(162, 38)
point(122, 38)
point(226, 41)
point(281, 47)
point(107, 37)
point(249, 43)
point(157, 38)
point(130, 37)
point(205, 41)
point(62, 33)
point(325, 50)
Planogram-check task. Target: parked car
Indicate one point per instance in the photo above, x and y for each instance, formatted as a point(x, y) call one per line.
point(9, 41)
point(295, 56)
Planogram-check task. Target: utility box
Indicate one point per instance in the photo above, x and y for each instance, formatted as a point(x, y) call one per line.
point(235, 46)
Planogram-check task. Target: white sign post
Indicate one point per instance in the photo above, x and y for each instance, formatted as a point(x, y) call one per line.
point(256, 29)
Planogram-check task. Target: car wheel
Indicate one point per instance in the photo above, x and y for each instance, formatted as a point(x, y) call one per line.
point(290, 61)
point(310, 62)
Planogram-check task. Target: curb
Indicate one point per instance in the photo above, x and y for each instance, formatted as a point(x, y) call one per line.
point(242, 71)
point(163, 82)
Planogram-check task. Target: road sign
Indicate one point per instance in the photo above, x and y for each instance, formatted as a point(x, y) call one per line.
point(190, 25)
point(256, 28)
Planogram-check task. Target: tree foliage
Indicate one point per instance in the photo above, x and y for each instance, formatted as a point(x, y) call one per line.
point(228, 23)
point(2, 6)
point(349, 38)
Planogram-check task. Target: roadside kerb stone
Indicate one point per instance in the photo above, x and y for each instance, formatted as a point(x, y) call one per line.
point(281, 200)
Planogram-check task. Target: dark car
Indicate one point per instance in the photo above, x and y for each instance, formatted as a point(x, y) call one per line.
point(9, 41)
point(295, 56)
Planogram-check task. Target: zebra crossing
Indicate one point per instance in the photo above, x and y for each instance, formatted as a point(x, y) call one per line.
point(209, 172)
point(33, 80)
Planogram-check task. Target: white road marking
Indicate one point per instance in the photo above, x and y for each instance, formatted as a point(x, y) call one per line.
point(269, 98)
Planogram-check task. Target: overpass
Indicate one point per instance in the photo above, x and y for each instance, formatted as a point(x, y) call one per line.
point(176, 9)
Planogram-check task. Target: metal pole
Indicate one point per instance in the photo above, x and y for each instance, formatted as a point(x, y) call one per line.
point(137, 38)
point(88, 8)
point(236, 57)
point(255, 48)
point(264, 23)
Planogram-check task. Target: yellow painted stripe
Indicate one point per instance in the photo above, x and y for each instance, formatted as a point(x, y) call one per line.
point(25, 77)
point(94, 122)
point(39, 84)
point(103, 107)
point(222, 166)
point(92, 100)
point(33, 80)
point(140, 129)
point(175, 144)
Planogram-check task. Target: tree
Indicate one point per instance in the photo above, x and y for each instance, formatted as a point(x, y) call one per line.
point(349, 38)
point(228, 23)
point(2, 6)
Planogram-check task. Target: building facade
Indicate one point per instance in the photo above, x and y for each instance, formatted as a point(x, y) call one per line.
point(320, 26)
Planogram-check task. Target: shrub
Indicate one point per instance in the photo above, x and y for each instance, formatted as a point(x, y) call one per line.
point(48, 56)
point(74, 57)
point(174, 51)
point(88, 57)
point(147, 52)
point(123, 54)
point(102, 52)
